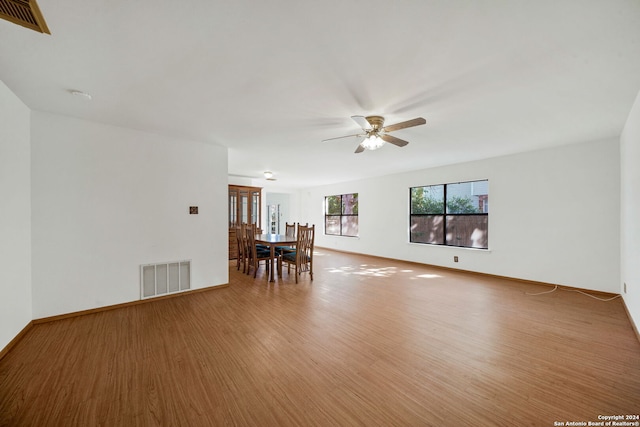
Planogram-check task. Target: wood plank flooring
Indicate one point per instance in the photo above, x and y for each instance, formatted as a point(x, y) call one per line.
point(369, 342)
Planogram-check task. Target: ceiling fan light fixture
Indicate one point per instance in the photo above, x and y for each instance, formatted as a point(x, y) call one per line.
point(373, 142)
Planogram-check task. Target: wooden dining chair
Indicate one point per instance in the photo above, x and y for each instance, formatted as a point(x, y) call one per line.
point(290, 231)
point(260, 245)
point(302, 258)
point(255, 254)
point(240, 231)
point(247, 230)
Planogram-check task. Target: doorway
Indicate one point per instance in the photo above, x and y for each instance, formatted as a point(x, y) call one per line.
point(277, 212)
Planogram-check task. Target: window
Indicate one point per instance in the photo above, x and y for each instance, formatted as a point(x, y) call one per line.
point(341, 215)
point(451, 214)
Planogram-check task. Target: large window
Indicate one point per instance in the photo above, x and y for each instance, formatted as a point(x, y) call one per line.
point(451, 214)
point(341, 215)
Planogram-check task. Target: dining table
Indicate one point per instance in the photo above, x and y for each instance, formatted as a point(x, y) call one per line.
point(273, 240)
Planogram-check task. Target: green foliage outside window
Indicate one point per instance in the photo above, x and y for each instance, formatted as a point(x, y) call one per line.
point(423, 203)
point(462, 205)
point(334, 205)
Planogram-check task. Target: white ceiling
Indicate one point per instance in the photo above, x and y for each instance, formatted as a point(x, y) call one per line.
point(270, 80)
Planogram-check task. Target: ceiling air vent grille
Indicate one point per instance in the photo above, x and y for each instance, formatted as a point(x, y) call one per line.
point(25, 13)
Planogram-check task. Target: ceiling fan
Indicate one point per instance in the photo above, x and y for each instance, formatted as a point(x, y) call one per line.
point(376, 134)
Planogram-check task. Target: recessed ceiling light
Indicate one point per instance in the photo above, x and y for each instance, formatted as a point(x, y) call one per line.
point(81, 94)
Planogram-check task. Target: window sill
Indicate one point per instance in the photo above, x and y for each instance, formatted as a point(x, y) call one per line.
point(460, 248)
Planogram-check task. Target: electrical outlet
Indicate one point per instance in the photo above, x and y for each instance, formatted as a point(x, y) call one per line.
point(455, 258)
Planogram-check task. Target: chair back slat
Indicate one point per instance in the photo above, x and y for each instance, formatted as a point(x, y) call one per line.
point(298, 225)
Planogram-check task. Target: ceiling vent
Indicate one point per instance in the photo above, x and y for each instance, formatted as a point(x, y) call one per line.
point(25, 13)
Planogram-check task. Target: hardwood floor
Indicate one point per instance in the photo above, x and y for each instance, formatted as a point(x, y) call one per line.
point(369, 342)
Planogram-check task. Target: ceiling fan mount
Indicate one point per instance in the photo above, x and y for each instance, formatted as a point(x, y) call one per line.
point(376, 122)
point(376, 134)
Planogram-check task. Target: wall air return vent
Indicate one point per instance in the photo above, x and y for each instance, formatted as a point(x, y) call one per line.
point(164, 278)
point(25, 13)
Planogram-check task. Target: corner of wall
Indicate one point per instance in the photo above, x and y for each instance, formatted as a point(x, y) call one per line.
point(629, 212)
point(15, 223)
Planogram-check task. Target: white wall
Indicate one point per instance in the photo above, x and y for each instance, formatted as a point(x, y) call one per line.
point(630, 211)
point(106, 200)
point(553, 216)
point(15, 216)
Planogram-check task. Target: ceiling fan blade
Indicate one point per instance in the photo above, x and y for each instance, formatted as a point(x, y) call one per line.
point(362, 122)
point(360, 149)
point(346, 136)
point(402, 125)
point(393, 140)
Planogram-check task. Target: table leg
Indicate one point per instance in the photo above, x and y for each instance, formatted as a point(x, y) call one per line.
point(273, 255)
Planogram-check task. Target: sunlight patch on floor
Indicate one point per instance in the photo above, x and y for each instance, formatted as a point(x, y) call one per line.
point(378, 271)
point(428, 276)
point(366, 270)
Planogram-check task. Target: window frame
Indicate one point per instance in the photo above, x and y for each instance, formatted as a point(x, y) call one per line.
point(448, 217)
point(342, 214)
